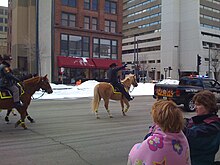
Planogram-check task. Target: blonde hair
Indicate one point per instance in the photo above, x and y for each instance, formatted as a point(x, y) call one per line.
point(168, 116)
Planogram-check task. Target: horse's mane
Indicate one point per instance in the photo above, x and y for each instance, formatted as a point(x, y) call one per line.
point(127, 78)
point(32, 79)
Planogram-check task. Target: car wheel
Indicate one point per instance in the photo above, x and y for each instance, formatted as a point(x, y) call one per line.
point(189, 105)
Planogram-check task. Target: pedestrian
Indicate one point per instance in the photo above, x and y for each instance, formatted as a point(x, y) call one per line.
point(9, 81)
point(203, 129)
point(165, 143)
point(114, 80)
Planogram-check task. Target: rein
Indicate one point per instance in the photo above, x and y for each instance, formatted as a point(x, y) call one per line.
point(39, 96)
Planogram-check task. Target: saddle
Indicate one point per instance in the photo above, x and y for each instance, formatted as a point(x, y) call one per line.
point(7, 94)
point(116, 90)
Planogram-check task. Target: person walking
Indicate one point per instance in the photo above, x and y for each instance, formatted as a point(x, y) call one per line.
point(9, 81)
point(113, 79)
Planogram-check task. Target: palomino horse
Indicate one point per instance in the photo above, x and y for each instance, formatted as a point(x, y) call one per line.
point(30, 86)
point(106, 91)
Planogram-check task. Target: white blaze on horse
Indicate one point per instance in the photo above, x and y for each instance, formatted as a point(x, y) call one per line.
point(106, 91)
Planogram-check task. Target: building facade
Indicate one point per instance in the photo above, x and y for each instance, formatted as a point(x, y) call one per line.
point(166, 38)
point(74, 39)
point(3, 30)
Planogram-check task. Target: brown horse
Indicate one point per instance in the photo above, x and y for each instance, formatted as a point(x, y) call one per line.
point(106, 91)
point(30, 86)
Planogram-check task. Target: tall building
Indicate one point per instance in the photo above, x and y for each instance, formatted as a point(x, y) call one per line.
point(3, 30)
point(167, 38)
point(72, 38)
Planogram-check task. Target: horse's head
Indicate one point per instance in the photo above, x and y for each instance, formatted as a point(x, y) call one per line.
point(45, 85)
point(133, 80)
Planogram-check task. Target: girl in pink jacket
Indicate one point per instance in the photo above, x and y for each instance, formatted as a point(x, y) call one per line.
point(165, 144)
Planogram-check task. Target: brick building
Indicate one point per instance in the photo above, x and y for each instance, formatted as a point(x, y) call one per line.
point(72, 38)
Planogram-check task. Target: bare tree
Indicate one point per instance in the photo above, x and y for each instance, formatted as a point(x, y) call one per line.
point(215, 62)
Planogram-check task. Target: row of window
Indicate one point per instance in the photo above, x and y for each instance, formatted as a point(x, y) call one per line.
point(68, 19)
point(78, 46)
point(147, 49)
point(3, 20)
point(144, 18)
point(140, 4)
point(210, 27)
point(145, 10)
point(110, 6)
point(214, 1)
point(3, 29)
point(3, 12)
point(149, 24)
point(209, 17)
point(209, 8)
point(145, 62)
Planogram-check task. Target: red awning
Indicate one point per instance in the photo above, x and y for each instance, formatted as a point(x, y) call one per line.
point(104, 63)
point(75, 62)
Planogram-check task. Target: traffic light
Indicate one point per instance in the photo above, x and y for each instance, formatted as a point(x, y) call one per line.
point(199, 60)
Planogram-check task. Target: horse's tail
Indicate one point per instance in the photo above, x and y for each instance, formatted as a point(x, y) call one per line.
point(96, 99)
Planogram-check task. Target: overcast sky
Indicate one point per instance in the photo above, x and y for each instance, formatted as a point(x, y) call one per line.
point(4, 3)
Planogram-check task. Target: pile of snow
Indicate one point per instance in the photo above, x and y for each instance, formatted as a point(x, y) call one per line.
point(86, 89)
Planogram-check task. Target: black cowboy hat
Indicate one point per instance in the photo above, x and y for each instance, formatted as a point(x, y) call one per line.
point(112, 65)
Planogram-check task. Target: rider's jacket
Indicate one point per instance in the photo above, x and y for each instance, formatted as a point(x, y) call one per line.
point(7, 79)
point(113, 74)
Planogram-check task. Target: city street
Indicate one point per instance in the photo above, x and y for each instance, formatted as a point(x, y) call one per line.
point(66, 132)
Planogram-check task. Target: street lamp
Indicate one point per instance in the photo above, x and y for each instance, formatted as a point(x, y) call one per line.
point(165, 70)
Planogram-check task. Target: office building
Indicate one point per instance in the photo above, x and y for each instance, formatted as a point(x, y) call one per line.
point(3, 30)
point(167, 38)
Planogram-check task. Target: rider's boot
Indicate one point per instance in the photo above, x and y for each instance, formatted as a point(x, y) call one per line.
point(18, 104)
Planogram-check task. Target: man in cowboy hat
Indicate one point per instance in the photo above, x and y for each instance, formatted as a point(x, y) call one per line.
point(113, 79)
point(8, 80)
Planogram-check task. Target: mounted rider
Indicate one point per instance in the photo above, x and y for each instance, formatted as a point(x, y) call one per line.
point(114, 80)
point(8, 80)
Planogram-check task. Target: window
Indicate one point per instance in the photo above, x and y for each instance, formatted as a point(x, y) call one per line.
point(1, 20)
point(71, 3)
point(1, 28)
point(1, 11)
point(95, 5)
point(6, 29)
point(76, 46)
point(6, 20)
point(86, 22)
point(64, 45)
point(68, 20)
point(110, 7)
point(87, 4)
point(104, 48)
point(110, 26)
point(96, 51)
point(94, 24)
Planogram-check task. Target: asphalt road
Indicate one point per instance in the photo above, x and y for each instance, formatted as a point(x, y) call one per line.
point(66, 132)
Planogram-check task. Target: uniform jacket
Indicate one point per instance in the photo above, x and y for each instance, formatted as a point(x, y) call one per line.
point(7, 79)
point(203, 134)
point(113, 74)
point(161, 148)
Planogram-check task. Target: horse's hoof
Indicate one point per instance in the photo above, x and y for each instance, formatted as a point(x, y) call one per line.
point(7, 119)
point(126, 110)
point(17, 123)
point(30, 119)
point(111, 116)
point(97, 117)
point(124, 114)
